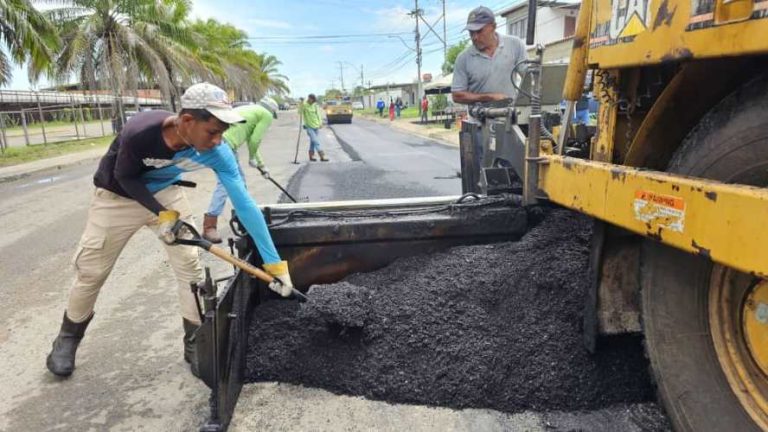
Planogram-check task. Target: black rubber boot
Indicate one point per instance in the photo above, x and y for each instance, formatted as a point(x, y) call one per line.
point(190, 348)
point(61, 360)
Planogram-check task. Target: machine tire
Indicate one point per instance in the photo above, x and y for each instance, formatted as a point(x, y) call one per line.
point(729, 144)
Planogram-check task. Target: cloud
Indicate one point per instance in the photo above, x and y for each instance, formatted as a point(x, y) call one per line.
point(272, 24)
point(393, 19)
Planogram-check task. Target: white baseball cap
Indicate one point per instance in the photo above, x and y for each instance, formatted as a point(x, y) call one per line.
point(212, 99)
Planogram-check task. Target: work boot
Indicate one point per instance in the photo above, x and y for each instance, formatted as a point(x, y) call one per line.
point(61, 360)
point(209, 228)
point(312, 156)
point(322, 156)
point(190, 348)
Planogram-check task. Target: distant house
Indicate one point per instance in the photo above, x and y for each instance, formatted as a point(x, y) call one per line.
point(405, 91)
point(555, 26)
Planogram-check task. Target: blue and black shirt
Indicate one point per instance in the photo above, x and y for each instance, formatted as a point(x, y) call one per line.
point(138, 164)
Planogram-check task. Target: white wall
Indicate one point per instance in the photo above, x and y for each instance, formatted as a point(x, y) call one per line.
point(550, 23)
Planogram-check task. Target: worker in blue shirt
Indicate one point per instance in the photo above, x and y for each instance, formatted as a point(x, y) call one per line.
point(136, 186)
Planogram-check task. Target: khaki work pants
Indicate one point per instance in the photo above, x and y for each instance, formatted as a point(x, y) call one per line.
point(112, 221)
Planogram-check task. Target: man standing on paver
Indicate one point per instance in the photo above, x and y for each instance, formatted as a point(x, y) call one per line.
point(482, 72)
point(137, 184)
point(424, 109)
point(313, 121)
point(258, 117)
point(380, 106)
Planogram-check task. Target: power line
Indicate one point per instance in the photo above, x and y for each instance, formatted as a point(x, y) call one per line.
point(332, 36)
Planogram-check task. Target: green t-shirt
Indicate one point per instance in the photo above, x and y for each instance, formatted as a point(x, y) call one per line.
point(257, 121)
point(311, 115)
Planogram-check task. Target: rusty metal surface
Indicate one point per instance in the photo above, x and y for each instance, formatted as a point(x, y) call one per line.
point(649, 32)
point(323, 250)
point(619, 286)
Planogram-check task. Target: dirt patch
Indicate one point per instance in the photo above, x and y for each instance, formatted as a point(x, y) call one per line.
point(492, 326)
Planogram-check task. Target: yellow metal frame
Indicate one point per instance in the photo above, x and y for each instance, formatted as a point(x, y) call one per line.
point(659, 31)
point(723, 222)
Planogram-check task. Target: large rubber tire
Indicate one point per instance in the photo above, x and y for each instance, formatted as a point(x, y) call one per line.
point(729, 144)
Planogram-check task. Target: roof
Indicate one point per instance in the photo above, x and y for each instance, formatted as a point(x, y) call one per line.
point(552, 3)
point(392, 86)
point(440, 85)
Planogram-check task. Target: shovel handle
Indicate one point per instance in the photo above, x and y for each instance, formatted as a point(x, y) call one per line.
point(245, 266)
point(242, 265)
point(253, 271)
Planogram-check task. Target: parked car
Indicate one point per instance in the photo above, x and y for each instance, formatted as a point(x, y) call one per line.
point(357, 105)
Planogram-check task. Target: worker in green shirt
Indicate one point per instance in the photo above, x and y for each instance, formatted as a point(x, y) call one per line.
point(258, 117)
point(313, 120)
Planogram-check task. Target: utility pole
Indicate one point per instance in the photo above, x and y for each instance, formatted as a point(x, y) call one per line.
point(362, 77)
point(417, 14)
point(341, 74)
point(445, 38)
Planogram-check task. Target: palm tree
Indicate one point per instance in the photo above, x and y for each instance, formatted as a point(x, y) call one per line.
point(120, 42)
point(226, 52)
point(27, 35)
point(269, 77)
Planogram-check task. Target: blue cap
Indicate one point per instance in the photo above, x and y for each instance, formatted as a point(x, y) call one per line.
point(479, 18)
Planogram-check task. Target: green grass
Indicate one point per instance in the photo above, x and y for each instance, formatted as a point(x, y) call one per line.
point(36, 128)
point(408, 113)
point(18, 155)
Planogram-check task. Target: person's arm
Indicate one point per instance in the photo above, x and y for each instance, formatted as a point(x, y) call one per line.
point(467, 97)
point(128, 170)
point(460, 86)
point(245, 207)
point(254, 140)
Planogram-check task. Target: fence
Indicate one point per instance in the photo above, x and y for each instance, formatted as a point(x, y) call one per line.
point(72, 117)
point(51, 97)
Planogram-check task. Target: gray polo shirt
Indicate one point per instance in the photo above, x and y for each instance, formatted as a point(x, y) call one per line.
point(476, 72)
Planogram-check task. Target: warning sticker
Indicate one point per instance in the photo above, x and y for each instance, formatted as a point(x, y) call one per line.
point(660, 211)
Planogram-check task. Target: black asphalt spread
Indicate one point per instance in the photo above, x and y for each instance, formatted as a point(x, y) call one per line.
point(493, 326)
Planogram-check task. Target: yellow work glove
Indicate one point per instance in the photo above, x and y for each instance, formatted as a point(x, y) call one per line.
point(279, 270)
point(167, 220)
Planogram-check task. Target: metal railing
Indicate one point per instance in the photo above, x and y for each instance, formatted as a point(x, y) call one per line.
point(51, 97)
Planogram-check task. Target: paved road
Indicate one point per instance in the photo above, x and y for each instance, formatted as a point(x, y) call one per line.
point(130, 374)
point(382, 163)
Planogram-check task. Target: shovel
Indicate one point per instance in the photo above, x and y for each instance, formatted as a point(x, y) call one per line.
point(182, 228)
point(266, 175)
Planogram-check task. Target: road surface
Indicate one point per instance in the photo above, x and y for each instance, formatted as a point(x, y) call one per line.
point(130, 374)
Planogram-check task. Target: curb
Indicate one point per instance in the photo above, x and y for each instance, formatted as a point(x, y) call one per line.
point(16, 172)
point(429, 135)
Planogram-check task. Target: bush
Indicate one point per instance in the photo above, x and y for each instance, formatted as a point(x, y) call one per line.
point(438, 102)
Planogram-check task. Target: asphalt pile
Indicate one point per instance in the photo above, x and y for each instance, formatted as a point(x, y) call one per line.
point(492, 326)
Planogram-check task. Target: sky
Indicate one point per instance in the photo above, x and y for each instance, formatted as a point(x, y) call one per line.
point(315, 39)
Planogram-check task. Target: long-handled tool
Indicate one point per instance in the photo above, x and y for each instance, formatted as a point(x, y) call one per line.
point(186, 234)
point(266, 175)
point(298, 139)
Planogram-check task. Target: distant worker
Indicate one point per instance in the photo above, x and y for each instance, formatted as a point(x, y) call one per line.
point(258, 117)
point(391, 109)
point(137, 185)
point(424, 109)
point(380, 105)
point(313, 121)
point(398, 107)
